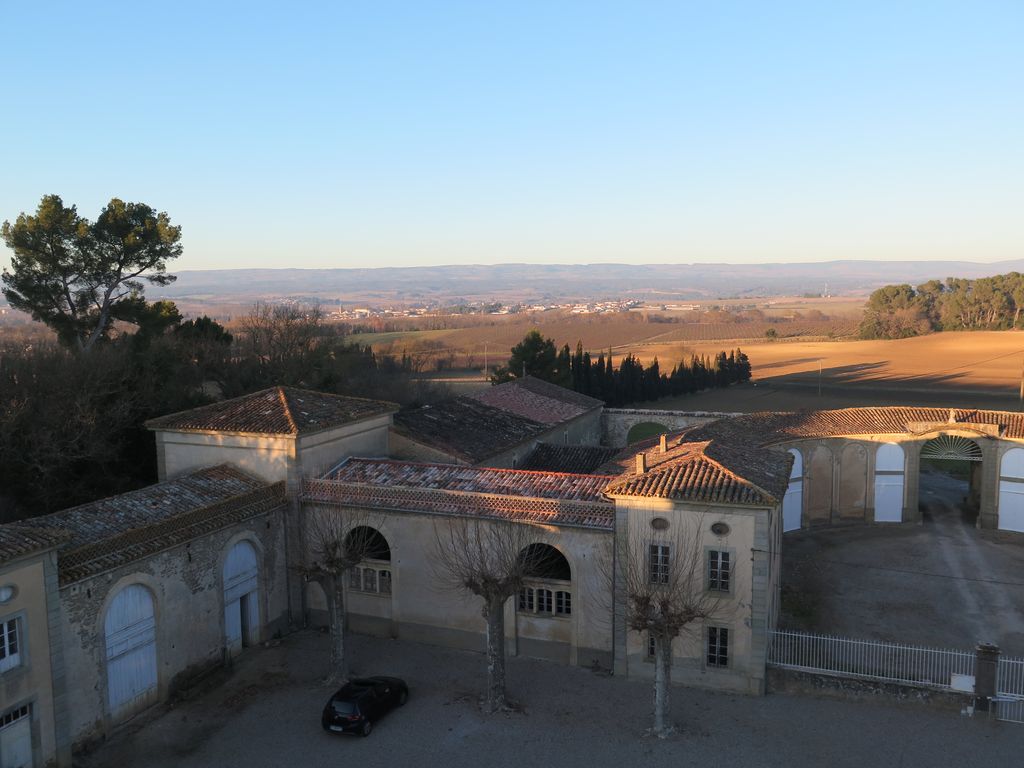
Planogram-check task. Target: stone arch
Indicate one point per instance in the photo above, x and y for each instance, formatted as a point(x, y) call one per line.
point(852, 493)
point(793, 502)
point(371, 540)
point(543, 561)
point(546, 610)
point(645, 430)
point(890, 472)
point(818, 486)
point(1011, 491)
point(129, 634)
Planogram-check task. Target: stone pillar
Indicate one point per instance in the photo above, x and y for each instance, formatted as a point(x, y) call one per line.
point(988, 513)
point(985, 668)
point(619, 632)
point(912, 481)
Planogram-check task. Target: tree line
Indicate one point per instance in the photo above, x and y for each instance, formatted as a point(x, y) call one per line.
point(631, 382)
point(958, 304)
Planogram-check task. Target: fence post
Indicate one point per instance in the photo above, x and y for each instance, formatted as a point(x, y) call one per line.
point(985, 668)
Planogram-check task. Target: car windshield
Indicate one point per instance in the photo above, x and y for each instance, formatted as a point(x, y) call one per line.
point(344, 707)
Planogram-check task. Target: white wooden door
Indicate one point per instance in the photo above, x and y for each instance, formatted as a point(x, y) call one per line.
point(890, 469)
point(1011, 491)
point(241, 597)
point(16, 743)
point(793, 501)
point(130, 627)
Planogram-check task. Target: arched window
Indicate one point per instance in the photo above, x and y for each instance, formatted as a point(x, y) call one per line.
point(373, 574)
point(890, 467)
point(547, 579)
point(793, 501)
point(129, 628)
point(1011, 491)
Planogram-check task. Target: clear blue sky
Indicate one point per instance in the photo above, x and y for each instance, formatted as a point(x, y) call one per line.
point(378, 134)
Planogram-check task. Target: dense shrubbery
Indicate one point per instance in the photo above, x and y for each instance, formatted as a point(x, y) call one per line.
point(631, 382)
point(988, 303)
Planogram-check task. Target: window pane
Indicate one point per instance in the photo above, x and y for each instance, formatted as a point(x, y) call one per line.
point(355, 579)
point(526, 599)
point(385, 582)
point(369, 580)
point(563, 603)
point(543, 601)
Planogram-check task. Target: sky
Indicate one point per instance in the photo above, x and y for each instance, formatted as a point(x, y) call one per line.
point(365, 134)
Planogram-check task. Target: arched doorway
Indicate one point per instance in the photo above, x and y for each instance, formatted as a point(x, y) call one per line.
point(1011, 491)
point(544, 606)
point(129, 628)
point(890, 470)
point(793, 501)
point(949, 479)
point(241, 598)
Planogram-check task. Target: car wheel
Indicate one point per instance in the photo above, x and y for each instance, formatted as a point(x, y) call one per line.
point(403, 697)
point(367, 728)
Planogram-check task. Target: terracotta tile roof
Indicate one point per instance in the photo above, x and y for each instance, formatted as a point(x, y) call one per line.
point(467, 429)
point(706, 472)
point(447, 489)
point(274, 411)
point(120, 529)
point(577, 459)
point(17, 541)
point(772, 428)
point(538, 400)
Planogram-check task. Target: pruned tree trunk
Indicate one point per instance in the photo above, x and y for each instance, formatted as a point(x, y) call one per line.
point(494, 612)
point(336, 616)
point(662, 683)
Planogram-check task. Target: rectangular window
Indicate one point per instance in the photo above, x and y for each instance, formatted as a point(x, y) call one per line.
point(526, 599)
point(543, 601)
point(718, 647)
point(14, 715)
point(384, 581)
point(652, 647)
point(563, 603)
point(355, 578)
point(658, 560)
point(369, 580)
point(719, 571)
point(10, 644)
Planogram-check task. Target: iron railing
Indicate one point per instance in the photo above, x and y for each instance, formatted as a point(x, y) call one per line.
point(1010, 677)
point(869, 659)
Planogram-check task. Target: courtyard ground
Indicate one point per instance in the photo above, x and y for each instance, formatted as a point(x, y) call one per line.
point(268, 714)
point(942, 583)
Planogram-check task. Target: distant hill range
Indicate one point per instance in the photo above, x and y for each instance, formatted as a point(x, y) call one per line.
point(565, 282)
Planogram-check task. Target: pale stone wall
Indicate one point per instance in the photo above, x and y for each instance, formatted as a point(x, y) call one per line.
point(616, 422)
point(186, 582)
point(40, 677)
point(745, 612)
point(423, 608)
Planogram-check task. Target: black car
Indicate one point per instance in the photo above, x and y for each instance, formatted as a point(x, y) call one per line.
point(360, 702)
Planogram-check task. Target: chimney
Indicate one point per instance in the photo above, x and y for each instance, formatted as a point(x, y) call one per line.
point(641, 463)
point(663, 443)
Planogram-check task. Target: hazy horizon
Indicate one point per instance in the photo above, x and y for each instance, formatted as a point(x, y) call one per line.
point(403, 135)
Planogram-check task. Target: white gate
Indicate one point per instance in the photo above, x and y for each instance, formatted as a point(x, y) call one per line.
point(241, 593)
point(890, 464)
point(16, 738)
point(1011, 491)
point(793, 501)
point(130, 631)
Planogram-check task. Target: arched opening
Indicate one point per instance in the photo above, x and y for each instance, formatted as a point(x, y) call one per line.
point(545, 604)
point(241, 597)
point(1011, 491)
point(949, 480)
point(129, 629)
point(793, 501)
point(890, 471)
point(373, 574)
point(644, 430)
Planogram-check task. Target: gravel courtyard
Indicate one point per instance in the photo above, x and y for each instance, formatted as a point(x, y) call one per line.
point(267, 714)
point(942, 583)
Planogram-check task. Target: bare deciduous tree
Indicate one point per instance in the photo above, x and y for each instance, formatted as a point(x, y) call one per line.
point(338, 541)
point(489, 559)
point(662, 581)
point(283, 336)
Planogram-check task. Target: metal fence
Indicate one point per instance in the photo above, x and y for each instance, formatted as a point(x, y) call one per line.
point(1009, 699)
point(870, 659)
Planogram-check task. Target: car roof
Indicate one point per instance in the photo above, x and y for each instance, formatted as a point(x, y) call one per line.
point(358, 686)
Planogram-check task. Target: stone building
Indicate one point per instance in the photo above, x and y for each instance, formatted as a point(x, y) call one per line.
point(102, 599)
